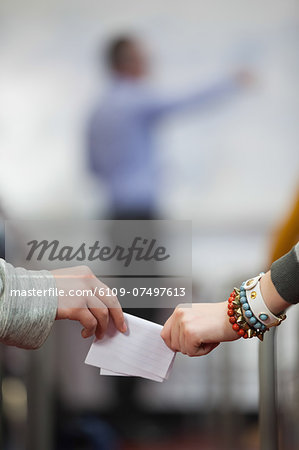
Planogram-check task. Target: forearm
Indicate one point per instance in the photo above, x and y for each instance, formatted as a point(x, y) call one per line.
point(261, 301)
point(25, 320)
point(197, 330)
point(198, 98)
point(271, 297)
point(285, 275)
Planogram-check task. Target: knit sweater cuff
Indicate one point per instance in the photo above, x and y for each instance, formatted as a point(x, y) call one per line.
point(27, 306)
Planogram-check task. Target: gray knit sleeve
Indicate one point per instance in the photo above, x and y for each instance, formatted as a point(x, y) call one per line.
point(28, 306)
point(285, 275)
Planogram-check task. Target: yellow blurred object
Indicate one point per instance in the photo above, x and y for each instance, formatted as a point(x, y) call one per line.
point(287, 234)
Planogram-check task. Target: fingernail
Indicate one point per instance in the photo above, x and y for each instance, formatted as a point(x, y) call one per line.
point(124, 327)
point(84, 334)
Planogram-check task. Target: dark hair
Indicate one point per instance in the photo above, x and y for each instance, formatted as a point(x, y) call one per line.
point(116, 49)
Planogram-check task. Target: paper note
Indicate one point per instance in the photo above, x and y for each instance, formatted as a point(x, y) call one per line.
point(139, 352)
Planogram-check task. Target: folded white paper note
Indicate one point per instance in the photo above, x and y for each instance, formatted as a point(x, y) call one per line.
point(139, 352)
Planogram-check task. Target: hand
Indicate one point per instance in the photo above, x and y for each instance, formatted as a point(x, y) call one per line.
point(91, 308)
point(197, 329)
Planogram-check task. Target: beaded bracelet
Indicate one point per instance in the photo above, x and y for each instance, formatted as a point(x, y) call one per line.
point(237, 317)
point(243, 321)
point(259, 315)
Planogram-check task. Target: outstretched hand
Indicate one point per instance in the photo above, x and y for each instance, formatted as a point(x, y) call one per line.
point(86, 299)
point(197, 329)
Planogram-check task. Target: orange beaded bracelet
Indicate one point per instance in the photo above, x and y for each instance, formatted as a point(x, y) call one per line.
point(240, 326)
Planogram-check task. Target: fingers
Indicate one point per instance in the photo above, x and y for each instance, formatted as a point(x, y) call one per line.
point(166, 332)
point(200, 349)
point(111, 301)
point(203, 349)
point(177, 337)
point(184, 336)
point(87, 320)
point(172, 335)
point(101, 314)
point(74, 282)
point(118, 318)
point(94, 317)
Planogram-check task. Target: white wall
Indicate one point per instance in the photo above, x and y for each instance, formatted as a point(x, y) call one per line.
point(242, 152)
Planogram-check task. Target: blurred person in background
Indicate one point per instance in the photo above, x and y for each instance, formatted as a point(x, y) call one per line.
point(121, 148)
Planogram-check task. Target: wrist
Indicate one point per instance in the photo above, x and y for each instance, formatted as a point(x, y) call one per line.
point(255, 307)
